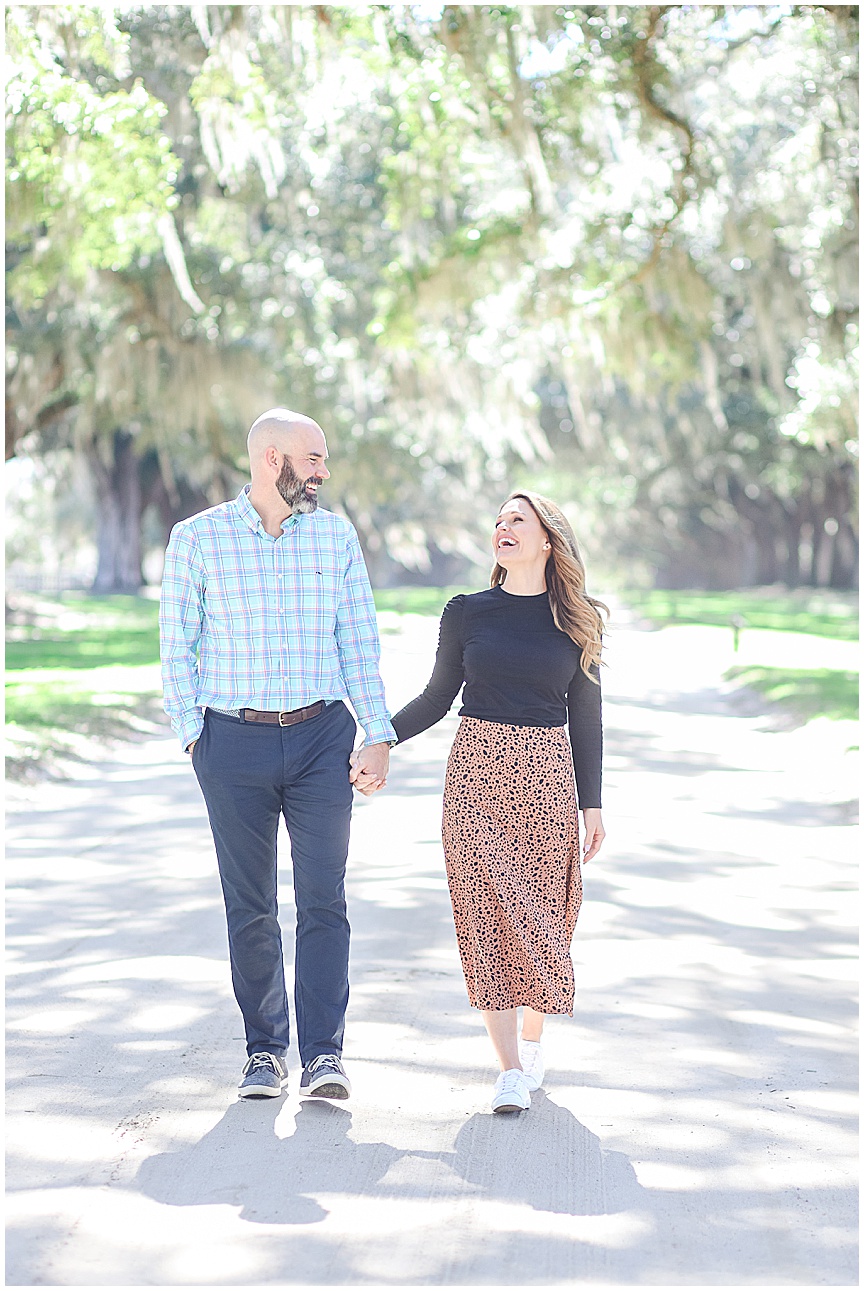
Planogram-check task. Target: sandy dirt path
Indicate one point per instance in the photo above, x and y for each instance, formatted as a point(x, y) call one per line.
point(696, 1126)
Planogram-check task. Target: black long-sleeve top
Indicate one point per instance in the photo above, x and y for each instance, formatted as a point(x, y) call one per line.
point(517, 668)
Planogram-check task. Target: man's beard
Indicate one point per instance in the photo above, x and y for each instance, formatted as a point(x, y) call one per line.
point(292, 489)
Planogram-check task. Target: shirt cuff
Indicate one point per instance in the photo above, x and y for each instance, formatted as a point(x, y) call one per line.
point(189, 726)
point(379, 732)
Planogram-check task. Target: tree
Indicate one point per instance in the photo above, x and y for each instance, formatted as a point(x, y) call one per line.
point(605, 248)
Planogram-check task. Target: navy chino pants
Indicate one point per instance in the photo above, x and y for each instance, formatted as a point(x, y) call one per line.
point(250, 774)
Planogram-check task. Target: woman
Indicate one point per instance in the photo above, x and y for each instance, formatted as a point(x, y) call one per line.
point(528, 653)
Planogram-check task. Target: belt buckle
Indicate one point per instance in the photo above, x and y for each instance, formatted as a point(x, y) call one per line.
point(286, 713)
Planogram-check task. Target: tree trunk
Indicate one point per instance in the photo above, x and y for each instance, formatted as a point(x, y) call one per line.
point(845, 569)
point(184, 500)
point(116, 474)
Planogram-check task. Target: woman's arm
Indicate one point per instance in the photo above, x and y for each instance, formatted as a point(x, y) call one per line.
point(445, 682)
point(584, 719)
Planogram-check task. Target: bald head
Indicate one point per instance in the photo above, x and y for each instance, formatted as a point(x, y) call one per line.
point(287, 456)
point(286, 431)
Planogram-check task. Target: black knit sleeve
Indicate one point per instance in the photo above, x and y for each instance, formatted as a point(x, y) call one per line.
point(584, 719)
point(445, 682)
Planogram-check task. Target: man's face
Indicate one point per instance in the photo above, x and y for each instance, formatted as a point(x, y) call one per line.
point(300, 477)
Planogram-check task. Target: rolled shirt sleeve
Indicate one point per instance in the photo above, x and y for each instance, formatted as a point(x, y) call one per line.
point(181, 614)
point(360, 649)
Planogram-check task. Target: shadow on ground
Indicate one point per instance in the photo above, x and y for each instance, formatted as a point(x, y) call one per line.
point(711, 1039)
point(546, 1159)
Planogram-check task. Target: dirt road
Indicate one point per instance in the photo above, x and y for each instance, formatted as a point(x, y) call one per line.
point(696, 1123)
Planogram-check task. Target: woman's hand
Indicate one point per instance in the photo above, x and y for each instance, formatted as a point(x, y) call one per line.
point(369, 766)
point(594, 832)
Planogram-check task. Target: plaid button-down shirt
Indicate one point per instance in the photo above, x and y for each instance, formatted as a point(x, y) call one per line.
point(251, 621)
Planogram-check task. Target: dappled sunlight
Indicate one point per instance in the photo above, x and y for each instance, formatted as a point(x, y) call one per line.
point(700, 1083)
point(165, 1017)
point(41, 1134)
point(607, 252)
point(57, 1021)
point(184, 968)
point(150, 1046)
point(787, 1022)
point(398, 887)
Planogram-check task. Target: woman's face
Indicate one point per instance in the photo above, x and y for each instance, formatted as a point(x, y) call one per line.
point(519, 537)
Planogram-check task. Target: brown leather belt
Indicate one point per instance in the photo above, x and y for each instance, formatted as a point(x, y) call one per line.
point(283, 719)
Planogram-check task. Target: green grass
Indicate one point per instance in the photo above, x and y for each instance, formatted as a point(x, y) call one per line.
point(100, 702)
point(87, 665)
point(81, 632)
point(820, 613)
point(78, 666)
point(805, 693)
point(416, 600)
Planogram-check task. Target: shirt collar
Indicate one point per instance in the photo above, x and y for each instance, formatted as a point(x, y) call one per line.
point(251, 518)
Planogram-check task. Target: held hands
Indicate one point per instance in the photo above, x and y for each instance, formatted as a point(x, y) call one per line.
point(369, 766)
point(594, 833)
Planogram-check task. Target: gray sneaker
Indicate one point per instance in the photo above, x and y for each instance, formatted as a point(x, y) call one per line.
point(325, 1078)
point(263, 1076)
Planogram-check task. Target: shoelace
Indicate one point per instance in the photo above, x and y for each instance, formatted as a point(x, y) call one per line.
point(530, 1054)
point(259, 1060)
point(510, 1081)
point(324, 1059)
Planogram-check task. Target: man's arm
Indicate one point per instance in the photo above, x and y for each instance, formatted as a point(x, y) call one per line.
point(360, 650)
point(181, 612)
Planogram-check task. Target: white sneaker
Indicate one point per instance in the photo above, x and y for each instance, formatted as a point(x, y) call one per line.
point(511, 1092)
point(531, 1057)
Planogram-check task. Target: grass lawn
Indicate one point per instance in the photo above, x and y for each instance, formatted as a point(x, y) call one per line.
point(417, 600)
point(78, 668)
point(819, 613)
point(820, 692)
point(87, 666)
point(81, 632)
point(802, 693)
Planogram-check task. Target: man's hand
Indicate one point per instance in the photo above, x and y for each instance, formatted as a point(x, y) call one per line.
point(369, 766)
point(594, 832)
point(190, 747)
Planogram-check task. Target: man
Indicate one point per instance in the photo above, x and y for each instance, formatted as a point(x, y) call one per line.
point(267, 626)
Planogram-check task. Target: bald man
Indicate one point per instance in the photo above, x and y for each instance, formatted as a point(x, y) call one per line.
point(267, 626)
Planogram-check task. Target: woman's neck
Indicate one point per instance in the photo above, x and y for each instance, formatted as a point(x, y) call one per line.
point(525, 582)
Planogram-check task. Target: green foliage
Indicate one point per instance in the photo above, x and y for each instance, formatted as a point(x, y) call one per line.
point(608, 247)
point(90, 170)
point(820, 692)
point(819, 614)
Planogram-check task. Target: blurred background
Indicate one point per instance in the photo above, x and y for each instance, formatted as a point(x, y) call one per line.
point(604, 252)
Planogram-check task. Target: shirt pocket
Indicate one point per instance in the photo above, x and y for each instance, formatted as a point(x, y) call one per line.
point(318, 592)
point(239, 608)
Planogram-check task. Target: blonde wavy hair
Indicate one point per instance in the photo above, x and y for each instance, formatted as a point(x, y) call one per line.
point(574, 611)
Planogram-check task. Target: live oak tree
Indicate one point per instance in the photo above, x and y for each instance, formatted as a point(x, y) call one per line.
point(604, 250)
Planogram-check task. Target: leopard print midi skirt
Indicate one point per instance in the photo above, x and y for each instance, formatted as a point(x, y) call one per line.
point(511, 846)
